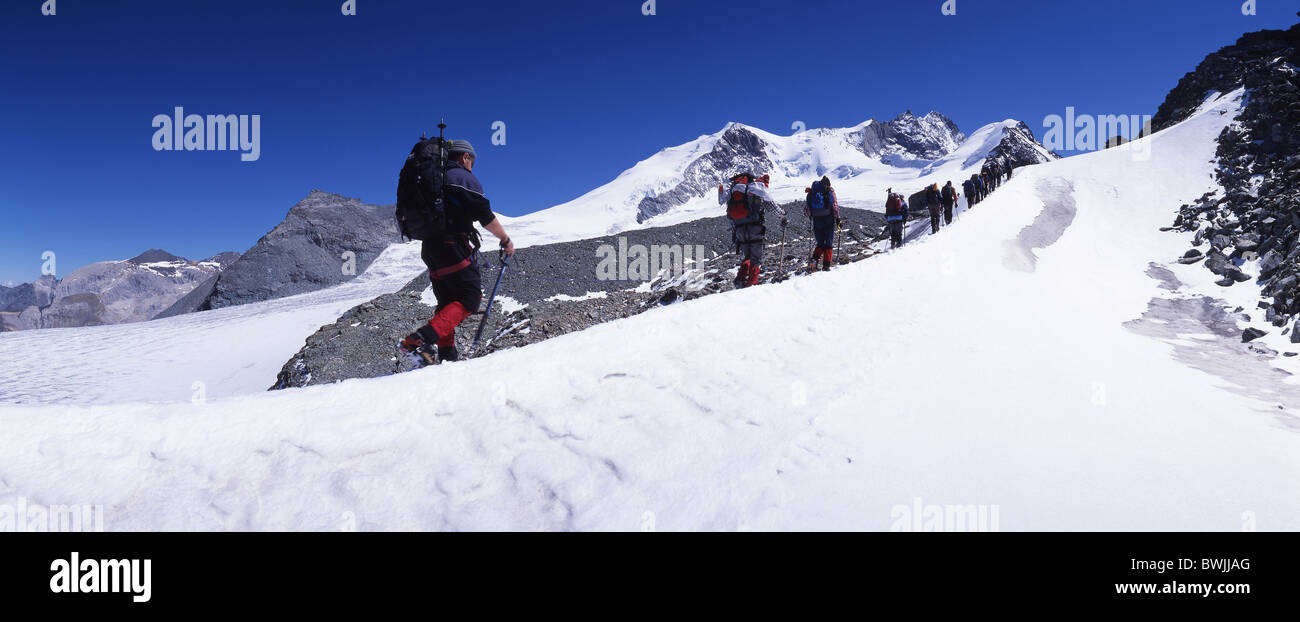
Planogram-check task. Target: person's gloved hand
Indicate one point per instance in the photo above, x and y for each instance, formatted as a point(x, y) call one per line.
point(785, 221)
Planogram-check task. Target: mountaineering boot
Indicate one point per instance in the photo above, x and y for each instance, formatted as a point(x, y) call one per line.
point(754, 271)
point(742, 274)
point(448, 354)
point(826, 260)
point(420, 347)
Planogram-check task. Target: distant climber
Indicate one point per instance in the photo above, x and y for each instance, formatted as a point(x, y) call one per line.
point(949, 200)
point(896, 216)
point(747, 202)
point(934, 204)
point(968, 187)
point(451, 259)
point(822, 208)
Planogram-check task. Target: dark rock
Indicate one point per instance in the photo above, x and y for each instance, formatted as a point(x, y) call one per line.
point(1217, 263)
point(1263, 350)
point(304, 253)
point(1252, 334)
point(154, 256)
point(1246, 242)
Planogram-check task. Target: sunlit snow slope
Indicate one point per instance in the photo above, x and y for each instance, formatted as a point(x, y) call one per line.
point(989, 365)
point(230, 351)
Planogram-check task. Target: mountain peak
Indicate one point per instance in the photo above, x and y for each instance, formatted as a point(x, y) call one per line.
point(155, 255)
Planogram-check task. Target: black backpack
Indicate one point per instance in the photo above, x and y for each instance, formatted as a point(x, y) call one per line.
point(421, 211)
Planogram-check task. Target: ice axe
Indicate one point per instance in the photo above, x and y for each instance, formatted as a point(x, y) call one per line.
point(487, 313)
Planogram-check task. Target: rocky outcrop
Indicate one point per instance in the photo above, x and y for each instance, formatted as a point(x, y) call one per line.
point(552, 290)
point(915, 138)
point(325, 240)
point(738, 149)
point(1021, 148)
point(1257, 216)
point(15, 299)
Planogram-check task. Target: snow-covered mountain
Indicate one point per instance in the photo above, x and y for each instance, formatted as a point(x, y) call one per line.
point(679, 184)
point(1056, 362)
point(108, 292)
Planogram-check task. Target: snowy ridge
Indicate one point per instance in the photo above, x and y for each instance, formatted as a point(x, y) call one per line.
point(827, 425)
point(679, 184)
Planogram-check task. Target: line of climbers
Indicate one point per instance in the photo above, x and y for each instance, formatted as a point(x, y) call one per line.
point(940, 202)
point(439, 200)
point(747, 201)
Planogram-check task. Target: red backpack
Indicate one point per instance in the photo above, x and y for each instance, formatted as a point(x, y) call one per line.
point(894, 206)
point(740, 208)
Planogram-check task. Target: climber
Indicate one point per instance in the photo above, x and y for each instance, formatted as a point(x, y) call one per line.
point(747, 202)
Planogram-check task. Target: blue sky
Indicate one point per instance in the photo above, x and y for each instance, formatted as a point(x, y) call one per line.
point(586, 88)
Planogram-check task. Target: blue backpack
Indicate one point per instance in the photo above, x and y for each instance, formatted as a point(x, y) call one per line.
point(819, 200)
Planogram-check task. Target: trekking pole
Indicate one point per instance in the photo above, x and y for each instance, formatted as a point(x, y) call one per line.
point(781, 277)
point(478, 335)
point(812, 233)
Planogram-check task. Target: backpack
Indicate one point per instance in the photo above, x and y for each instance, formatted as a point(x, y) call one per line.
point(932, 197)
point(741, 208)
point(949, 193)
point(894, 206)
point(819, 201)
point(421, 212)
